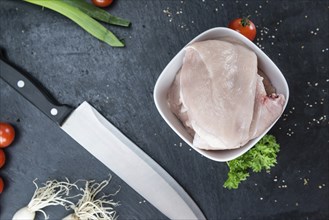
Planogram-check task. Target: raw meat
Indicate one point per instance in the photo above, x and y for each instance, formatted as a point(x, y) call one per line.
point(219, 97)
point(266, 110)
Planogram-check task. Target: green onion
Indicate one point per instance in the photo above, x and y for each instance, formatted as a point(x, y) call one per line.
point(82, 19)
point(98, 13)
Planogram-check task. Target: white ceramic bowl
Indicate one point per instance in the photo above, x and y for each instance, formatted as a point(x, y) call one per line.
point(168, 75)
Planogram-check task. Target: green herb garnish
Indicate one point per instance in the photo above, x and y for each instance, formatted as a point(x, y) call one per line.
point(261, 156)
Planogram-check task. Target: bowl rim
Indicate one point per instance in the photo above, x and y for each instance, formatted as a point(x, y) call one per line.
point(243, 149)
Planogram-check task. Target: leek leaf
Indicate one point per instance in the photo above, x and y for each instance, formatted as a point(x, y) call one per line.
point(98, 13)
point(83, 20)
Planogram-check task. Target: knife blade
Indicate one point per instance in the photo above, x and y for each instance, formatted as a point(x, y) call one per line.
point(108, 145)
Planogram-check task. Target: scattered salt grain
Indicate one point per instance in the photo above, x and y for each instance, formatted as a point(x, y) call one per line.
point(305, 182)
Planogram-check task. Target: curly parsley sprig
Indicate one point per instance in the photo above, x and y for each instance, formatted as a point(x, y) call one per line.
point(262, 156)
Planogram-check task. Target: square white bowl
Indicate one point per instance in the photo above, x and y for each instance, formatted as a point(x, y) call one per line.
point(167, 77)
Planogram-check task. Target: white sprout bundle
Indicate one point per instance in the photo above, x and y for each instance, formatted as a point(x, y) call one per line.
point(91, 208)
point(51, 194)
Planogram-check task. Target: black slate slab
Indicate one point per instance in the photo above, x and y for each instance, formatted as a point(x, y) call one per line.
point(119, 83)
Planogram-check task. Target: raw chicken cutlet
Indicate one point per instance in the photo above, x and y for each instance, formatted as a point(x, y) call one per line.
point(219, 96)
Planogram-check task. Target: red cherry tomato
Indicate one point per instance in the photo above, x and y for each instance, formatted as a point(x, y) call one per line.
point(1, 184)
point(7, 134)
point(102, 3)
point(2, 158)
point(244, 26)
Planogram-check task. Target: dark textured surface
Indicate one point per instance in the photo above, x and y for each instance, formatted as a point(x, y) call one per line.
point(119, 83)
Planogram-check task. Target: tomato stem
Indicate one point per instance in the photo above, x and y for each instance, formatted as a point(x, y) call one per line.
point(245, 21)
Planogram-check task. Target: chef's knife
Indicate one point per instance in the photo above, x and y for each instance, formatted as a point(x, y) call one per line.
point(110, 146)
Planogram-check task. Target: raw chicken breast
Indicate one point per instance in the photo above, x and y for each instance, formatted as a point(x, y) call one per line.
point(220, 98)
point(214, 87)
point(175, 104)
point(267, 109)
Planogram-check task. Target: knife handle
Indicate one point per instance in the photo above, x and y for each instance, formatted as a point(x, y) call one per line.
point(34, 92)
